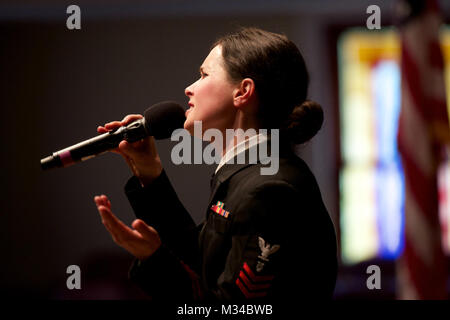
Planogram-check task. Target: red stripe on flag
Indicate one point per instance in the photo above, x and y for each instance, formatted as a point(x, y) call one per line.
point(427, 283)
point(411, 78)
point(435, 57)
point(437, 110)
point(422, 82)
point(422, 188)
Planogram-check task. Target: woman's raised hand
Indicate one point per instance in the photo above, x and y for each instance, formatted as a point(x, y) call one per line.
point(141, 156)
point(141, 241)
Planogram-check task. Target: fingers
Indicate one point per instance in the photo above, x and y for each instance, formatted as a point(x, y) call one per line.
point(136, 149)
point(130, 118)
point(106, 201)
point(120, 233)
point(126, 148)
point(147, 232)
point(101, 129)
point(118, 230)
point(102, 200)
point(142, 241)
point(109, 126)
point(115, 124)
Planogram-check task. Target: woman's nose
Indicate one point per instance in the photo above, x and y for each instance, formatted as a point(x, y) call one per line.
point(189, 90)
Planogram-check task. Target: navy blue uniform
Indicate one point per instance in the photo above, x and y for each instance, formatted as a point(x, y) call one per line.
point(264, 238)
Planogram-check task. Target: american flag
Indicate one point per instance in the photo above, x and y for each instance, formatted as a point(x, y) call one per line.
point(423, 130)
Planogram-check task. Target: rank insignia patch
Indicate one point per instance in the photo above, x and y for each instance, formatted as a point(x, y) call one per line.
point(266, 251)
point(218, 208)
point(251, 284)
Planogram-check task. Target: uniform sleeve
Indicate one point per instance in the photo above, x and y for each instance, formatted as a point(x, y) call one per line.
point(164, 277)
point(283, 248)
point(158, 205)
point(167, 274)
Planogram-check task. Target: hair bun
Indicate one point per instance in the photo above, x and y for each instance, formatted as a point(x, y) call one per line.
point(304, 122)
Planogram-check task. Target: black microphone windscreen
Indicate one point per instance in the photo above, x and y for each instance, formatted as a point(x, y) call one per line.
point(163, 118)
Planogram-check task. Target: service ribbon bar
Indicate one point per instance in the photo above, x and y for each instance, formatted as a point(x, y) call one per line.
point(218, 208)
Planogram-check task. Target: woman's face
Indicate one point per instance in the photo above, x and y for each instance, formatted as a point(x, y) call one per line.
point(211, 96)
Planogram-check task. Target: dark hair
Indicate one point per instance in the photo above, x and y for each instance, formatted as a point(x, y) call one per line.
point(281, 80)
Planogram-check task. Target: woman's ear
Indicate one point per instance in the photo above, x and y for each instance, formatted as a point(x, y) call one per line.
point(244, 93)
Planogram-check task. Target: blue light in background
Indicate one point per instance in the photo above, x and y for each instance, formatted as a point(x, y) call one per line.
point(390, 188)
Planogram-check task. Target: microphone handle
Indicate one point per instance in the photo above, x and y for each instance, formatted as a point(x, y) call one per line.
point(95, 146)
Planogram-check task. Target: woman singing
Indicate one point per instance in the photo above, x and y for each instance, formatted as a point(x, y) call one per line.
point(265, 237)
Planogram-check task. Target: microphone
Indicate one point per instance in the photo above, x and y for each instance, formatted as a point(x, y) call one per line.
point(159, 121)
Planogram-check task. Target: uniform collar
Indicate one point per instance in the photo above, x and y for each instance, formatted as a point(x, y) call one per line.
point(223, 174)
point(228, 169)
point(241, 147)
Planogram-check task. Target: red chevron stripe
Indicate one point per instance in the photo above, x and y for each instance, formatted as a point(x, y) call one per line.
point(253, 286)
point(248, 294)
point(254, 277)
